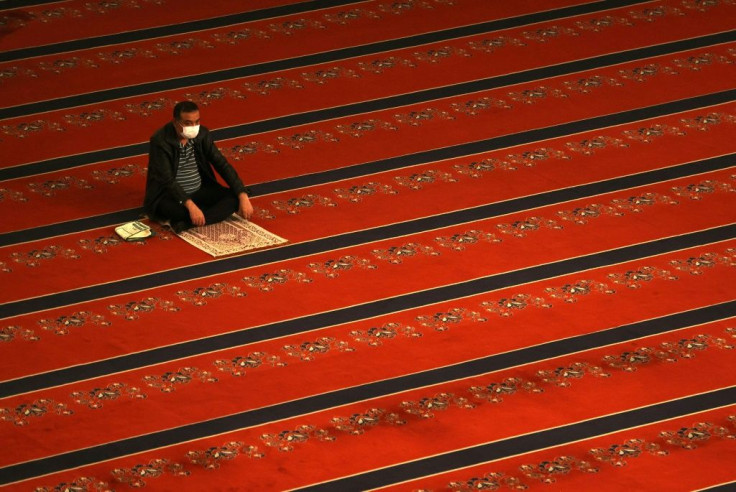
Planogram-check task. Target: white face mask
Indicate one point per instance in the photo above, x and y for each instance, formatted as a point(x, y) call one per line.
point(190, 131)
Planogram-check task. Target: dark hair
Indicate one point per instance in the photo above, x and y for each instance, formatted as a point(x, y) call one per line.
point(184, 107)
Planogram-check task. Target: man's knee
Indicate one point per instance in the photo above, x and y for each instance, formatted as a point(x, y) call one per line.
point(233, 203)
point(168, 209)
point(223, 208)
point(228, 201)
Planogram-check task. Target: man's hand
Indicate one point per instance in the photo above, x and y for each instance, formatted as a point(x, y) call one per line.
point(245, 209)
point(195, 214)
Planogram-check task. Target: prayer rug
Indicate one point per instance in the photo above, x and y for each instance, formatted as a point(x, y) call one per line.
point(231, 236)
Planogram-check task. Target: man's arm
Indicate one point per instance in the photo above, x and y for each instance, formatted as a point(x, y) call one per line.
point(219, 162)
point(161, 169)
point(195, 213)
point(228, 173)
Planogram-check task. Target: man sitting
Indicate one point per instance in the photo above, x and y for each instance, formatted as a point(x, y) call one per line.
point(181, 186)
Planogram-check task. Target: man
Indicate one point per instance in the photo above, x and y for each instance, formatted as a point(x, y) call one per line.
point(181, 186)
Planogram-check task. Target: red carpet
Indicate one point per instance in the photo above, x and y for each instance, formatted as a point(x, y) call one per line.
point(511, 250)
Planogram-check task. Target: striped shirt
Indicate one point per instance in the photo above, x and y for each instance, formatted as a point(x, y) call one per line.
point(188, 174)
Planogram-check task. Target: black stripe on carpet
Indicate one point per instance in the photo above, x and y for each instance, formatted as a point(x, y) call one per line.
point(495, 143)
point(172, 29)
point(70, 227)
point(532, 442)
point(726, 487)
point(290, 63)
point(17, 4)
point(365, 311)
point(347, 396)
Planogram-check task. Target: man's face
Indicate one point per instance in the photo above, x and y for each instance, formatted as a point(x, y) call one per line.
point(187, 119)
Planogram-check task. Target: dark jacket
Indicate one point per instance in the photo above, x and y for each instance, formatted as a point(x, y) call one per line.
point(163, 162)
